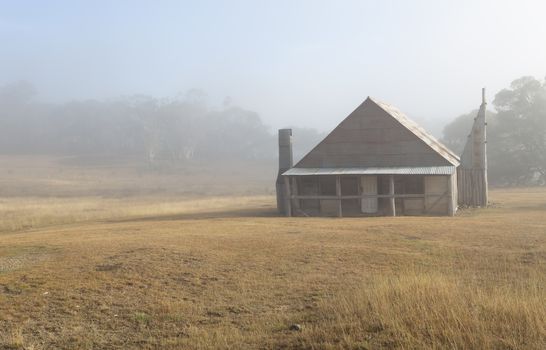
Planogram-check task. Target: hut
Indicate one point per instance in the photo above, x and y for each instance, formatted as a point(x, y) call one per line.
point(376, 162)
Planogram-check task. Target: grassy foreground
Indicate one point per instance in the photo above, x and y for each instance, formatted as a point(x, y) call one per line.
point(226, 273)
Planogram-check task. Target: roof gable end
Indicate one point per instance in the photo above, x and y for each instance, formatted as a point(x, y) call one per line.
point(416, 129)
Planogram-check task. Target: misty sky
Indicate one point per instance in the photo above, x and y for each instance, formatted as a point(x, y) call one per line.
point(303, 63)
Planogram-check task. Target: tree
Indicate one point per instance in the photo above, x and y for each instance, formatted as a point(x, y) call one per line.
point(520, 135)
point(17, 93)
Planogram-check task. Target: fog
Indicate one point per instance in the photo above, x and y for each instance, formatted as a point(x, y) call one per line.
point(179, 128)
point(305, 63)
point(183, 80)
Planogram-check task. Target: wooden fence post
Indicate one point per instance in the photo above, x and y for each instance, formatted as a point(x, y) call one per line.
point(338, 194)
point(392, 202)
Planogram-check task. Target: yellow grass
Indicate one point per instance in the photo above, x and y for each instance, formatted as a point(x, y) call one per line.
point(225, 273)
point(19, 213)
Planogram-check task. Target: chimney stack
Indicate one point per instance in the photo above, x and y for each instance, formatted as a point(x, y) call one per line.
point(286, 161)
point(285, 150)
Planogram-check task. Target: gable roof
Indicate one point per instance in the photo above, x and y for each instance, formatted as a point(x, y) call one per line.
point(377, 134)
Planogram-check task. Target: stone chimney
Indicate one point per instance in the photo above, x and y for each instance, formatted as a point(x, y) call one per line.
point(286, 161)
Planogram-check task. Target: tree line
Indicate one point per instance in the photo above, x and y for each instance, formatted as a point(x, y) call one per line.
point(175, 130)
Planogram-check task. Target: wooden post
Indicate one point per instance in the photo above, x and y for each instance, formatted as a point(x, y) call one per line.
point(296, 202)
point(338, 194)
point(287, 199)
point(391, 193)
point(450, 205)
point(485, 182)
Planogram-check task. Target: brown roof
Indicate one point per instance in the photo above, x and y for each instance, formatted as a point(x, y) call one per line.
point(377, 134)
point(412, 126)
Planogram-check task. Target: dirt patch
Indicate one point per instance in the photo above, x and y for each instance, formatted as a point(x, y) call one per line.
point(108, 267)
point(19, 259)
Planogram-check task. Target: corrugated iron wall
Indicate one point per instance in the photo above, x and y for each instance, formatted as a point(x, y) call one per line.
point(472, 173)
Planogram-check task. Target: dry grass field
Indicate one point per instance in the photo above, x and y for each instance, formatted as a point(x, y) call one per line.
point(224, 272)
point(48, 176)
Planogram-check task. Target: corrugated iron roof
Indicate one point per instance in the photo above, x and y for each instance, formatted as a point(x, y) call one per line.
point(418, 131)
point(428, 170)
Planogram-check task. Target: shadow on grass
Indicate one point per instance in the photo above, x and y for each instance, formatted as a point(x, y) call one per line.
point(265, 212)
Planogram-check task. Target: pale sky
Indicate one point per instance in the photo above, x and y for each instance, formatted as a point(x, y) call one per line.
point(302, 63)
